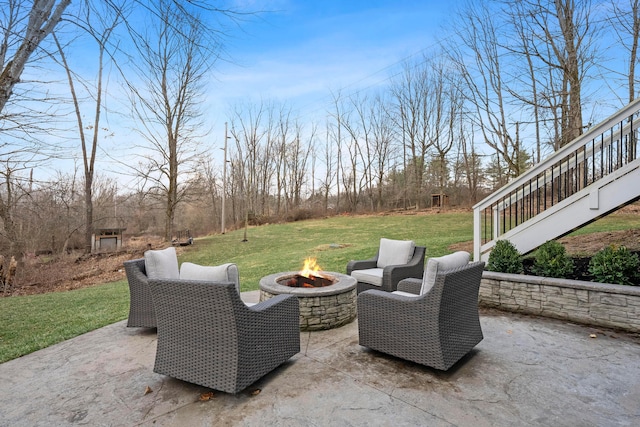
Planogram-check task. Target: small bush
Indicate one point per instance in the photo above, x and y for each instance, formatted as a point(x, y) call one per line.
point(299, 214)
point(505, 258)
point(615, 264)
point(551, 260)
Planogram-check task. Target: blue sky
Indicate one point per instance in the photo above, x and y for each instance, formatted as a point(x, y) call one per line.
point(300, 52)
point(296, 52)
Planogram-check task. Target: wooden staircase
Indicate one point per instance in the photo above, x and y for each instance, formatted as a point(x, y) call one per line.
point(594, 175)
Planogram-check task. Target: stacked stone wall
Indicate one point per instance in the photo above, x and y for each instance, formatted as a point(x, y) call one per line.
point(599, 304)
point(324, 312)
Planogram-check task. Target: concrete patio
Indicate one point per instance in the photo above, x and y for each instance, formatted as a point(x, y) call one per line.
point(526, 371)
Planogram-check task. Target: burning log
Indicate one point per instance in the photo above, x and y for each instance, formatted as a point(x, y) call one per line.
point(309, 277)
point(300, 281)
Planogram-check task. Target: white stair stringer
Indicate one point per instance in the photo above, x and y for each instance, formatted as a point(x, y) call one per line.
point(589, 204)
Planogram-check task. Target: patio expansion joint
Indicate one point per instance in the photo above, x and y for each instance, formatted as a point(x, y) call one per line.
point(306, 348)
point(406, 402)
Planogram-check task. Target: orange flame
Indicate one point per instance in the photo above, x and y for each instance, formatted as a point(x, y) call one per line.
point(310, 268)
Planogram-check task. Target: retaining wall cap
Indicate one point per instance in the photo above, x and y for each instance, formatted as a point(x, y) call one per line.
point(567, 283)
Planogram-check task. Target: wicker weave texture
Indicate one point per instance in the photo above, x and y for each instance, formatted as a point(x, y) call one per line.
point(391, 274)
point(410, 285)
point(141, 312)
point(435, 329)
point(208, 336)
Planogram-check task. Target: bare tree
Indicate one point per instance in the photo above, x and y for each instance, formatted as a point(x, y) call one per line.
point(23, 28)
point(569, 30)
point(10, 194)
point(336, 134)
point(383, 138)
point(351, 172)
point(326, 184)
point(477, 53)
point(412, 93)
point(625, 22)
point(284, 135)
point(247, 129)
point(298, 154)
point(22, 31)
point(469, 162)
point(99, 22)
point(174, 53)
point(361, 131)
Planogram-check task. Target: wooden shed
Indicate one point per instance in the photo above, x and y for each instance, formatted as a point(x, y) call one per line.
point(439, 200)
point(107, 239)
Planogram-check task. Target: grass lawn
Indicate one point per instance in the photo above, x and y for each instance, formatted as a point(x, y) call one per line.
point(29, 323)
point(334, 241)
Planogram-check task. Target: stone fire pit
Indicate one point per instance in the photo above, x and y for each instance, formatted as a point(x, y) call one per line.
point(321, 308)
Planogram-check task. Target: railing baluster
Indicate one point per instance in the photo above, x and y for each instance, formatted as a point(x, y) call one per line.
point(544, 201)
point(593, 159)
point(560, 182)
point(602, 158)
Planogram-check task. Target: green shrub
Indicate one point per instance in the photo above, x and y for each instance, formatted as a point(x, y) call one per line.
point(551, 260)
point(505, 258)
point(615, 264)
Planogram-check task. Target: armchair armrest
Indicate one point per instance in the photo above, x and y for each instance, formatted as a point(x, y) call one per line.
point(362, 264)
point(411, 285)
point(141, 311)
point(273, 303)
point(134, 269)
point(392, 274)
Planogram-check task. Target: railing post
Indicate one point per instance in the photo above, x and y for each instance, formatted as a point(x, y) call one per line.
point(477, 233)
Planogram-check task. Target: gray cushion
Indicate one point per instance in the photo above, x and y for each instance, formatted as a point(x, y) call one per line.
point(162, 264)
point(372, 276)
point(439, 264)
point(218, 273)
point(405, 294)
point(191, 271)
point(395, 252)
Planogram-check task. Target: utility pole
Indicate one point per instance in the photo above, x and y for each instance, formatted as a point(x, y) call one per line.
point(224, 179)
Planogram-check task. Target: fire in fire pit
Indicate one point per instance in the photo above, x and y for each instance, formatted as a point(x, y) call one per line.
point(310, 276)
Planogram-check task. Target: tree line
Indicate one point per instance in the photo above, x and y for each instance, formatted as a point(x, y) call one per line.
point(508, 82)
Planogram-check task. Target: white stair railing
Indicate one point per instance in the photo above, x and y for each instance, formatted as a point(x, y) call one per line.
point(603, 150)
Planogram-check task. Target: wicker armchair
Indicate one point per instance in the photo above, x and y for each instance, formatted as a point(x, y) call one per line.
point(208, 336)
point(369, 276)
point(141, 312)
point(435, 329)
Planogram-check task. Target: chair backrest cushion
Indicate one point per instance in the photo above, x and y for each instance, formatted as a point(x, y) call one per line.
point(439, 264)
point(215, 273)
point(395, 252)
point(162, 264)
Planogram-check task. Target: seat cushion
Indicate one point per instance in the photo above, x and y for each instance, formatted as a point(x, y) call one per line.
point(372, 276)
point(440, 264)
point(395, 252)
point(162, 264)
point(405, 294)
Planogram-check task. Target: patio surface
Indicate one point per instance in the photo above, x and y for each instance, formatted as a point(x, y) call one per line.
point(526, 371)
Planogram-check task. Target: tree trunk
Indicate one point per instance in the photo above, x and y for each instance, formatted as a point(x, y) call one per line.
point(42, 21)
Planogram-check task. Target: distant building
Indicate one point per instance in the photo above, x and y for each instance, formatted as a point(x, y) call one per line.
point(439, 200)
point(107, 239)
